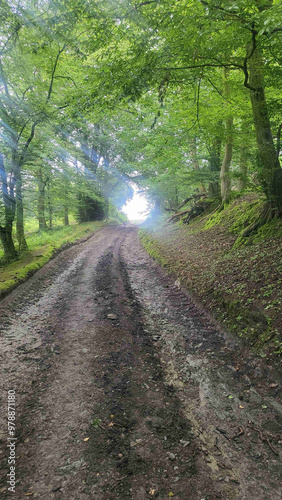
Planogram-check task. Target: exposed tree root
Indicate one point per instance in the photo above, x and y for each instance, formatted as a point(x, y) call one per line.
point(187, 215)
point(191, 198)
point(268, 213)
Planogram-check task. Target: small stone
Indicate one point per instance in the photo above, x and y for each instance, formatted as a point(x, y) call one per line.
point(171, 456)
point(112, 316)
point(57, 487)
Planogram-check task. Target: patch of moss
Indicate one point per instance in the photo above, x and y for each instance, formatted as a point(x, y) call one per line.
point(245, 214)
point(152, 247)
point(237, 216)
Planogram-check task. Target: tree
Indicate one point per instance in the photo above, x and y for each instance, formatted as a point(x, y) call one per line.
point(8, 198)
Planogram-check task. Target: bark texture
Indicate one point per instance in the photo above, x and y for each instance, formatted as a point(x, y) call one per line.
point(7, 189)
point(41, 201)
point(214, 165)
point(243, 169)
point(19, 204)
point(226, 162)
point(269, 167)
point(66, 216)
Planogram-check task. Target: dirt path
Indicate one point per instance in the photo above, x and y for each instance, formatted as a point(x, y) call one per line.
point(126, 390)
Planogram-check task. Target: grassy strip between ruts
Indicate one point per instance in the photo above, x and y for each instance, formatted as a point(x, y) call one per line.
point(238, 280)
point(42, 247)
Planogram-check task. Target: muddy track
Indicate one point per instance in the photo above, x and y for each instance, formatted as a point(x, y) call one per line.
point(126, 390)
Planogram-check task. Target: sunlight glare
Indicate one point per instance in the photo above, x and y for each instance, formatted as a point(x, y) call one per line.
point(137, 209)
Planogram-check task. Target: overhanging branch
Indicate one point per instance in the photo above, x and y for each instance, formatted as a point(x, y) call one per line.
point(248, 56)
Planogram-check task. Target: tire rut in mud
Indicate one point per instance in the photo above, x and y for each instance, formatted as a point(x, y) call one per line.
point(140, 444)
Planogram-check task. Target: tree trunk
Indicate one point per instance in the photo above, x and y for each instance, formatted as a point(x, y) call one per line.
point(20, 214)
point(226, 162)
point(243, 168)
point(41, 201)
point(19, 201)
point(214, 165)
point(270, 170)
point(9, 204)
point(106, 186)
point(66, 219)
point(6, 237)
point(176, 195)
point(50, 209)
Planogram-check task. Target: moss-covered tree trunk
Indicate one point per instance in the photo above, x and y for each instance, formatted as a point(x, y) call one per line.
point(225, 186)
point(9, 214)
point(6, 237)
point(20, 209)
point(270, 171)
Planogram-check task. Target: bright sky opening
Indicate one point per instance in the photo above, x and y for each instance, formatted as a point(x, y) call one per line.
point(137, 208)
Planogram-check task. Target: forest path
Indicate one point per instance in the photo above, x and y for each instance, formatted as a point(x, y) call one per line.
point(126, 390)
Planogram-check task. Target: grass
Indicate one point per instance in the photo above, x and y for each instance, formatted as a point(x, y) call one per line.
point(239, 283)
point(42, 246)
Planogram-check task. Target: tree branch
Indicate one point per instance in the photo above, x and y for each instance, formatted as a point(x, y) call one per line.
point(22, 129)
point(275, 31)
point(26, 146)
point(207, 65)
point(53, 73)
point(25, 91)
point(248, 56)
point(218, 91)
point(18, 27)
point(228, 12)
point(67, 78)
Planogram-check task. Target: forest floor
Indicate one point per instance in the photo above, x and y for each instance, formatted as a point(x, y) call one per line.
point(238, 280)
point(126, 389)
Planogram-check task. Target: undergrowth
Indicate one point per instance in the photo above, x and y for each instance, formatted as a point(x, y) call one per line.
point(238, 279)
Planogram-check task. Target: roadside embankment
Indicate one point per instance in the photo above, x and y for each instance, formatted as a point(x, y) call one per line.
point(43, 247)
point(237, 279)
